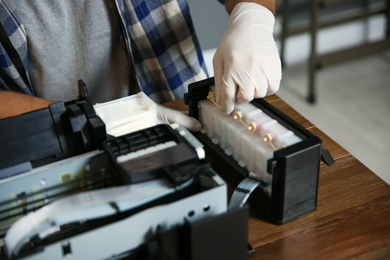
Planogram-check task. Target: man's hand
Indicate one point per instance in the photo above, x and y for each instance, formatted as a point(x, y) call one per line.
point(247, 63)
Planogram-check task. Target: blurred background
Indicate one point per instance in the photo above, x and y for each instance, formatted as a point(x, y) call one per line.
point(340, 50)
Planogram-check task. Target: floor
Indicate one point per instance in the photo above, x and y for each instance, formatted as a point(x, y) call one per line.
point(353, 106)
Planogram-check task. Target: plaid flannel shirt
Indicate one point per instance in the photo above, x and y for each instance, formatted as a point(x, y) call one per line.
point(160, 40)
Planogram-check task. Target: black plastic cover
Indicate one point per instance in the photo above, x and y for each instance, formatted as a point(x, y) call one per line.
point(46, 135)
point(179, 162)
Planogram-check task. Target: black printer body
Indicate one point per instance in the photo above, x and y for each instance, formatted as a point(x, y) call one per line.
point(70, 190)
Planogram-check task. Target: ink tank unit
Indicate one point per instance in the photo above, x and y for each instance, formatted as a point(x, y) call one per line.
point(268, 158)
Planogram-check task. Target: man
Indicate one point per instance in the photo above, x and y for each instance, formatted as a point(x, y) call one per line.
point(120, 47)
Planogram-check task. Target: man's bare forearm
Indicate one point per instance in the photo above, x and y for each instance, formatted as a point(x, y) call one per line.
point(269, 4)
point(13, 103)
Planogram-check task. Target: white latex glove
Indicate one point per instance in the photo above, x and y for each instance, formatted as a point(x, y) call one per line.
point(170, 116)
point(247, 63)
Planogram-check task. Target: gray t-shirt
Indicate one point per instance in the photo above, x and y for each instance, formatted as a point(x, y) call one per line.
point(72, 40)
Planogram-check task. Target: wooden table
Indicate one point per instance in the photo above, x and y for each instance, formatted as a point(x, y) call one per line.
point(352, 219)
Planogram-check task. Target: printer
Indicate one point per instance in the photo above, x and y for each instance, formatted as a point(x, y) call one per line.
point(82, 181)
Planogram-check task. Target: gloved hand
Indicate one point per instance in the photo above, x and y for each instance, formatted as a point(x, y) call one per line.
point(246, 63)
point(169, 116)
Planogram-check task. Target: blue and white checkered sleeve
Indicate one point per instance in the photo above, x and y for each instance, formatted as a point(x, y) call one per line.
point(13, 52)
point(163, 45)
